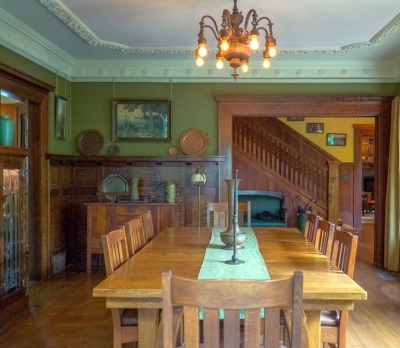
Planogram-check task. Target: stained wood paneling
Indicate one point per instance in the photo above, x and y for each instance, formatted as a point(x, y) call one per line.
point(81, 178)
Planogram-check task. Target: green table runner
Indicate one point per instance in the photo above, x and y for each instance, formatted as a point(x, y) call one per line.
point(214, 266)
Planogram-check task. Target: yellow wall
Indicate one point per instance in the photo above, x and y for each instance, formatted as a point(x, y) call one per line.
point(342, 125)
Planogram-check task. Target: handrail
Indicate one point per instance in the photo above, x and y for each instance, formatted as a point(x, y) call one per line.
point(295, 166)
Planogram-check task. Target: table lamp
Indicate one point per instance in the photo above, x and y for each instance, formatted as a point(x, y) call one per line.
point(198, 179)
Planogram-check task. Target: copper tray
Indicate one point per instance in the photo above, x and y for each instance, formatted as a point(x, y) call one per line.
point(89, 142)
point(193, 142)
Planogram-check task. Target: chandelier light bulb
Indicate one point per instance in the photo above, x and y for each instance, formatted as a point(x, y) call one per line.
point(237, 39)
point(254, 44)
point(219, 64)
point(199, 61)
point(266, 63)
point(202, 51)
point(272, 51)
point(224, 45)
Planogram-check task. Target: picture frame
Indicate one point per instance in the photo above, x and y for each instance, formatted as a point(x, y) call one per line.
point(295, 118)
point(314, 127)
point(60, 125)
point(141, 120)
point(336, 139)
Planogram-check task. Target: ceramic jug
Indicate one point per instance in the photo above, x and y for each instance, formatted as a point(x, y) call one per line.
point(134, 189)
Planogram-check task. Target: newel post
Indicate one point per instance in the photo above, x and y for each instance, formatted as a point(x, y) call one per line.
point(333, 191)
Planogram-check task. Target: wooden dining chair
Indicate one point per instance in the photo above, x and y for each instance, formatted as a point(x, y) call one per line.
point(334, 323)
point(135, 236)
point(125, 321)
point(148, 228)
point(310, 230)
point(366, 198)
point(324, 237)
point(220, 214)
point(202, 300)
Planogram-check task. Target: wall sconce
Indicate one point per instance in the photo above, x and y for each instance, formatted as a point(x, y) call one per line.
point(198, 179)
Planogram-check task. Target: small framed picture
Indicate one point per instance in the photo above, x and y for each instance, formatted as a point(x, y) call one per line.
point(335, 139)
point(141, 120)
point(61, 118)
point(295, 118)
point(314, 127)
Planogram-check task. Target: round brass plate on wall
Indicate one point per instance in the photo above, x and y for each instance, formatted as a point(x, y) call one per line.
point(193, 142)
point(89, 142)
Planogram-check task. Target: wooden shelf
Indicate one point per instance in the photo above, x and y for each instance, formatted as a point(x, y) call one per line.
point(14, 151)
point(127, 160)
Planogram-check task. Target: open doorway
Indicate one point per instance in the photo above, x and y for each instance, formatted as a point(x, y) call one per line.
point(365, 156)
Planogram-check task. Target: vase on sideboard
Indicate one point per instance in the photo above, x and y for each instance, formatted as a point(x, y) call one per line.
point(6, 130)
point(134, 189)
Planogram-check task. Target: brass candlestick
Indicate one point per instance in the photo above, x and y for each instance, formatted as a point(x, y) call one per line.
point(235, 259)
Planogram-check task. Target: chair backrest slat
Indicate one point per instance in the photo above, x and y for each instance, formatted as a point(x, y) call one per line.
point(135, 235)
point(324, 237)
point(115, 249)
point(220, 216)
point(148, 228)
point(235, 297)
point(344, 251)
point(310, 231)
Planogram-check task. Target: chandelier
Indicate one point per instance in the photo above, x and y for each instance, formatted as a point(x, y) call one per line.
point(235, 43)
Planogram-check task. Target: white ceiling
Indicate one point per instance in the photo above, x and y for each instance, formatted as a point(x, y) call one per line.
point(330, 40)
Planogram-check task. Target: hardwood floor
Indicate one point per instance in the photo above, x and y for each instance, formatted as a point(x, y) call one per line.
point(64, 313)
point(374, 323)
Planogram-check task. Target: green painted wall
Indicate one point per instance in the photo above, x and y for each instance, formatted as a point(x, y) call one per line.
point(193, 104)
point(340, 125)
point(58, 83)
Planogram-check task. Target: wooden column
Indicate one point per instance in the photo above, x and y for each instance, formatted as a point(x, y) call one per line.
point(333, 191)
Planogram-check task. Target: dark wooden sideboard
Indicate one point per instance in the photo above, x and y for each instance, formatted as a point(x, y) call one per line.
point(105, 217)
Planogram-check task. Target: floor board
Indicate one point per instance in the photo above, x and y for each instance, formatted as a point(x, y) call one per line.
point(63, 312)
point(374, 323)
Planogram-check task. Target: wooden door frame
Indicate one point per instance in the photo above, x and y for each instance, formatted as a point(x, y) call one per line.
point(319, 106)
point(360, 131)
point(36, 93)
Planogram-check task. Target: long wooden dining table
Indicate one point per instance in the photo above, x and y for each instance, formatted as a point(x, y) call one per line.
point(137, 283)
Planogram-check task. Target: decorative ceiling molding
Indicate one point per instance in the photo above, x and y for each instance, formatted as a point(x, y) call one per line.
point(19, 38)
point(379, 38)
point(79, 28)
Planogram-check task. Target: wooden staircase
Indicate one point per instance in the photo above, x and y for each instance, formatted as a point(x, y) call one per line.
point(270, 155)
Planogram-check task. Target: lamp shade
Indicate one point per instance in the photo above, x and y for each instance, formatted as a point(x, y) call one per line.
point(198, 178)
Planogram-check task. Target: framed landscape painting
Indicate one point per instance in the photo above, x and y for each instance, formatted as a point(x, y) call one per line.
point(335, 139)
point(141, 120)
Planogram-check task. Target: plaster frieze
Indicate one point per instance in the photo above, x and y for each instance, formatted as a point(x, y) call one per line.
point(17, 37)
